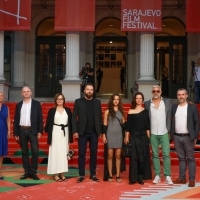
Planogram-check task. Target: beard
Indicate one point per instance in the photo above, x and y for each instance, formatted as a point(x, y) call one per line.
point(182, 100)
point(88, 95)
point(156, 96)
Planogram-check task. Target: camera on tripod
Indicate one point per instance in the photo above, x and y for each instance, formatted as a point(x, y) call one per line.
point(84, 72)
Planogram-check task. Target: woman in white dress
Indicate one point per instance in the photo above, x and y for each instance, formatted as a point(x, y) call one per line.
point(58, 127)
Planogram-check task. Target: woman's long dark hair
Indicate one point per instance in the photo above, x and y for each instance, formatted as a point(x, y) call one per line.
point(110, 106)
point(133, 106)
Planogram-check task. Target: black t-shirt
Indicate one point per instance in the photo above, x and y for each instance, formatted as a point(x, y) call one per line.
point(90, 79)
point(90, 124)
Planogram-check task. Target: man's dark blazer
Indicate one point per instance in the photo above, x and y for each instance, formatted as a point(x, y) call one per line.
point(36, 118)
point(79, 116)
point(50, 121)
point(192, 121)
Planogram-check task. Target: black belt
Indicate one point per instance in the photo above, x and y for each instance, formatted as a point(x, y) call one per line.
point(25, 127)
point(62, 127)
point(182, 134)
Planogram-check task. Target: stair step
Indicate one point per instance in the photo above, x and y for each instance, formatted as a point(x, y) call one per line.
point(14, 152)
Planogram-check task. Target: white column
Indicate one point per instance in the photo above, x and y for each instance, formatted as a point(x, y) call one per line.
point(71, 82)
point(19, 63)
point(19, 59)
point(82, 49)
point(147, 57)
point(2, 55)
point(146, 79)
point(72, 56)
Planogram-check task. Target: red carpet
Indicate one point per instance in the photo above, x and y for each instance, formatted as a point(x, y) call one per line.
point(46, 189)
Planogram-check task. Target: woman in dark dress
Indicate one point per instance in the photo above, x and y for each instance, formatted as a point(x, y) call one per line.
point(4, 130)
point(138, 134)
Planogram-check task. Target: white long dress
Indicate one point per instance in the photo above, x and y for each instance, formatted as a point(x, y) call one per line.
point(57, 160)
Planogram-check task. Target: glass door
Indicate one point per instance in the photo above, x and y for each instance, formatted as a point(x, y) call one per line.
point(170, 64)
point(110, 56)
point(50, 65)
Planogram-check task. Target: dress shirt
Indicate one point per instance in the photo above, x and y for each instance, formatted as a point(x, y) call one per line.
point(158, 119)
point(25, 115)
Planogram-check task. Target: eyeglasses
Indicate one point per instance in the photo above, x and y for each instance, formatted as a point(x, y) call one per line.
point(154, 91)
point(59, 99)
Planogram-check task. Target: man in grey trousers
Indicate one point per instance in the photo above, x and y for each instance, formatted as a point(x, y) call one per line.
point(185, 131)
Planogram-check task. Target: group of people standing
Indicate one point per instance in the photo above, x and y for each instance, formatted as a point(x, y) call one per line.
point(145, 125)
point(157, 123)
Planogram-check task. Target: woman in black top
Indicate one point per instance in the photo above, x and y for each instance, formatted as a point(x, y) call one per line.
point(138, 132)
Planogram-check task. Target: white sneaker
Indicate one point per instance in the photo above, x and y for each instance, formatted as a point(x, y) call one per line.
point(157, 179)
point(168, 180)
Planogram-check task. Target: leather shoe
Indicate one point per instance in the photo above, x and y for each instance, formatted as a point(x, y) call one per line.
point(34, 177)
point(94, 178)
point(25, 176)
point(179, 181)
point(80, 179)
point(140, 182)
point(191, 184)
point(132, 182)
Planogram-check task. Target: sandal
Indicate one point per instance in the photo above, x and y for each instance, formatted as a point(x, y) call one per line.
point(110, 179)
point(62, 177)
point(57, 179)
point(118, 179)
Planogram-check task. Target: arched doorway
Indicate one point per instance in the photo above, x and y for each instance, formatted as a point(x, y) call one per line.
point(110, 46)
point(50, 59)
point(170, 57)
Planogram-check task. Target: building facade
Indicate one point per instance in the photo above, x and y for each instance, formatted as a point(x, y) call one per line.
point(49, 61)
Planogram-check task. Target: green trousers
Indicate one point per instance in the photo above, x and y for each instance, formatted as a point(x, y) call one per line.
point(163, 141)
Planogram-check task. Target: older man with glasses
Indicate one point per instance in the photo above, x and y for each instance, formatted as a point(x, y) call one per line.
point(160, 120)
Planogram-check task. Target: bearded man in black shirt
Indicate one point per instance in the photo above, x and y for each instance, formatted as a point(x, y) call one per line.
point(86, 127)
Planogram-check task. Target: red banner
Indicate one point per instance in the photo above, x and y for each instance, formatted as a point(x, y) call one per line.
point(193, 15)
point(75, 15)
point(15, 15)
point(141, 15)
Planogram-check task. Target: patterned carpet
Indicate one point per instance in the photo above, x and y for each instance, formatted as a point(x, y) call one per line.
point(11, 188)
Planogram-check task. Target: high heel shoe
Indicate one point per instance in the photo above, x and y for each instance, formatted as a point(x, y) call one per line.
point(118, 179)
point(110, 179)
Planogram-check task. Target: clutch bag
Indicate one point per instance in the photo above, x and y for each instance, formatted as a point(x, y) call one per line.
point(70, 154)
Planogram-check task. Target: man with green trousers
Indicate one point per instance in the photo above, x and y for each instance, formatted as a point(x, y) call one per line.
point(160, 121)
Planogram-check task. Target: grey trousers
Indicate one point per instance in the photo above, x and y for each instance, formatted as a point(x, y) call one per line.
point(185, 151)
